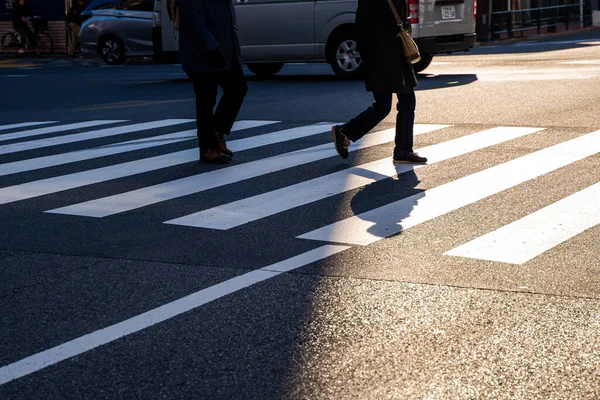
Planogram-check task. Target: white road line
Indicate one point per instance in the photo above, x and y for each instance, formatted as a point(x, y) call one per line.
point(527, 238)
point(254, 208)
point(195, 184)
point(582, 62)
point(395, 217)
point(24, 125)
point(56, 184)
point(54, 129)
point(163, 313)
point(79, 137)
point(138, 144)
point(557, 42)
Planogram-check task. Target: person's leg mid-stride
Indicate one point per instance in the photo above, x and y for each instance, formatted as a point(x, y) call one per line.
point(75, 29)
point(211, 57)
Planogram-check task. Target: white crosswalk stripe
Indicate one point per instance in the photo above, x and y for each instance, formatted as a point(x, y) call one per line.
point(80, 137)
point(53, 129)
point(536, 233)
point(24, 125)
point(517, 242)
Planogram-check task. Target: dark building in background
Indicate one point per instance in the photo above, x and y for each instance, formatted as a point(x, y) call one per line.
point(51, 9)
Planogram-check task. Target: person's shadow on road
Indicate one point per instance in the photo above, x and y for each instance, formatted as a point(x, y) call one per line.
point(383, 193)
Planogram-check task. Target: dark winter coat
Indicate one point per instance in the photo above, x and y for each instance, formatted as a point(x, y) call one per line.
point(204, 26)
point(19, 12)
point(386, 69)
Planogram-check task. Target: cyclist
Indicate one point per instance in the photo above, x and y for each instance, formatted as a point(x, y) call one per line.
point(20, 14)
point(75, 19)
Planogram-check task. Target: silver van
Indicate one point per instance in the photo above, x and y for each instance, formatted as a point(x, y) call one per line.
point(275, 32)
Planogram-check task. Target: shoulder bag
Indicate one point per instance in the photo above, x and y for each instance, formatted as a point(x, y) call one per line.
point(411, 50)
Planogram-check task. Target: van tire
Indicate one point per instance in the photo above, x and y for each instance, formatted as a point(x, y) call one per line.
point(265, 70)
point(343, 42)
point(111, 50)
point(423, 62)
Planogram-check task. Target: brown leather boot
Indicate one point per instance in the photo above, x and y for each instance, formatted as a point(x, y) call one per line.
point(221, 145)
point(213, 156)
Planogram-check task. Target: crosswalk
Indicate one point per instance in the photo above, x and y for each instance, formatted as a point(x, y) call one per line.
point(25, 174)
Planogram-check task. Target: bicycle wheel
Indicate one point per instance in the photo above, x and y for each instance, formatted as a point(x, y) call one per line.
point(44, 44)
point(10, 44)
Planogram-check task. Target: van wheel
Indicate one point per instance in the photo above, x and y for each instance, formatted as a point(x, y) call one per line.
point(265, 70)
point(343, 55)
point(111, 50)
point(423, 63)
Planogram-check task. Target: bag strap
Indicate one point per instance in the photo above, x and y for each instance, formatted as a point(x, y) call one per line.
point(396, 15)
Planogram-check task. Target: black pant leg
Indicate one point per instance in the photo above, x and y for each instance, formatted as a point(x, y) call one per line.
point(30, 36)
point(205, 90)
point(405, 121)
point(234, 87)
point(362, 124)
point(26, 34)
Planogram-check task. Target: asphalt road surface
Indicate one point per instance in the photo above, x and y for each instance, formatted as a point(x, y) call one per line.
point(128, 270)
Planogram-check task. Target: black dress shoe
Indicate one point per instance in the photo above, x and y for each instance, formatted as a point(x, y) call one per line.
point(409, 157)
point(340, 141)
point(222, 145)
point(213, 156)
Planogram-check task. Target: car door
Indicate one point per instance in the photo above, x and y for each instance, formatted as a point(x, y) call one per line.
point(166, 38)
point(276, 30)
point(135, 25)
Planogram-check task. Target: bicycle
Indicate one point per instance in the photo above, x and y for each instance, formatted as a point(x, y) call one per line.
point(12, 40)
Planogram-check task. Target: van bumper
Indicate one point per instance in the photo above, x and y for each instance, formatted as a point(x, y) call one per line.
point(446, 44)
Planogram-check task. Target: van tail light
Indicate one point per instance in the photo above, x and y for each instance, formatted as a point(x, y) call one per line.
point(413, 10)
point(475, 10)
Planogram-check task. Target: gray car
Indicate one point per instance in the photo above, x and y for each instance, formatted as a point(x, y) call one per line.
point(117, 29)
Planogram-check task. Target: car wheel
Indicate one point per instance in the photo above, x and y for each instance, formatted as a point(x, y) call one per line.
point(343, 55)
point(423, 62)
point(265, 70)
point(111, 50)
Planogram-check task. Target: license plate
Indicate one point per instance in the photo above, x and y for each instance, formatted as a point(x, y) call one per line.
point(448, 12)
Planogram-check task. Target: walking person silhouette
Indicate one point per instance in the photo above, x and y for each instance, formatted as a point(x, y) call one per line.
point(386, 73)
